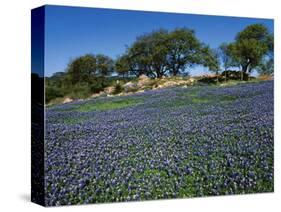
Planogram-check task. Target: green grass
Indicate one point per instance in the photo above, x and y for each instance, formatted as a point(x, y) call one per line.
point(189, 189)
point(201, 100)
point(211, 98)
point(155, 172)
point(193, 97)
point(94, 106)
point(75, 120)
point(227, 98)
point(103, 106)
point(230, 83)
point(148, 173)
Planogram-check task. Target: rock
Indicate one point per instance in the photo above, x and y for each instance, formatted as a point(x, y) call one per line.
point(95, 95)
point(143, 80)
point(109, 90)
point(67, 100)
point(170, 84)
point(176, 83)
point(140, 91)
point(192, 80)
point(155, 87)
point(98, 94)
point(130, 87)
point(143, 77)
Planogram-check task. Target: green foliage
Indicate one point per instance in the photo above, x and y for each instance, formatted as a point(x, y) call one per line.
point(55, 86)
point(80, 91)
point(270, 45)
point(81, 69)
point(200, 100)
point(148, 53)
point(250, 47)
point(104, 65)
point(248, 53)
point(118, 88)
point(89, 67)
point(161, 53)
point(255, 31)
point(184, 50)
point(266, 67)
point(96, 87)
point(84, 76)
point(210, 58)
point(53, 93)
point(122, 66)
point(233, 75)
point(224, 52)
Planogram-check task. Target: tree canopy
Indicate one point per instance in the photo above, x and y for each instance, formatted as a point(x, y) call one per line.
point(184, 50)
point(266, 67)
point(224, 52)
point(89, 67)
point(161, 53)
point(250, 46)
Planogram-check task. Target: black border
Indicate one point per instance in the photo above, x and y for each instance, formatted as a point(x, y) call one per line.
point(37, 105)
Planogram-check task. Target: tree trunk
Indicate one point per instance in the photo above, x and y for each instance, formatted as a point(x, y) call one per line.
point(174, 71)
point(243, 71)
point(158, 74)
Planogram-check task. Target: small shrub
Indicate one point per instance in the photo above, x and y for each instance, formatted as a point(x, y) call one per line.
point(118, 89)
point(234, 75)
point(55, 101)
point(53, 93)
point(80, 91)
point(96, 87)
point(132, 89)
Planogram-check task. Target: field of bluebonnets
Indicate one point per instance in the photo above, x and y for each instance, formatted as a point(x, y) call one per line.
point(168, 143)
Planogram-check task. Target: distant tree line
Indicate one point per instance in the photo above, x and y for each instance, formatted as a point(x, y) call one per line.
point(166, 53)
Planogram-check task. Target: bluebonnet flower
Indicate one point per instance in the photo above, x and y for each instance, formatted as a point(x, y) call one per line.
point(171, 144)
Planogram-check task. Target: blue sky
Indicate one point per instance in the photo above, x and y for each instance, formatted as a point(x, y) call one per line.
point(74, 31)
